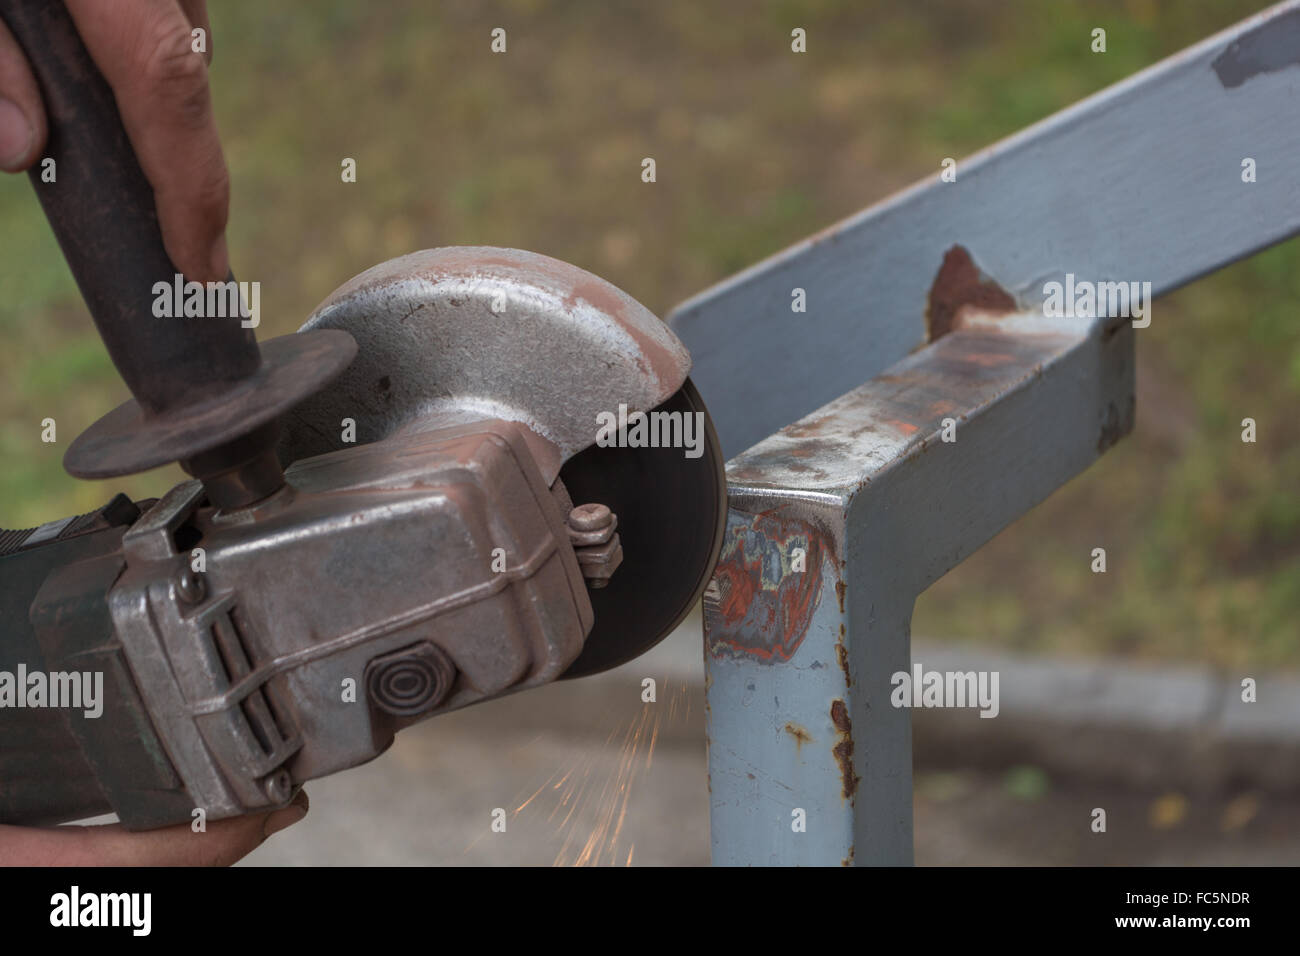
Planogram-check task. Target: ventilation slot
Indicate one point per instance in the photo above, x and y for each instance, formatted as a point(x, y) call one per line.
point(256, 707)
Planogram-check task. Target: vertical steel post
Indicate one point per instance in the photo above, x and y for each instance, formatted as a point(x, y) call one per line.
point(836, 524)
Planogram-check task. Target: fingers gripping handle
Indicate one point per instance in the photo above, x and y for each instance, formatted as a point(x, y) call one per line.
point(101, 208)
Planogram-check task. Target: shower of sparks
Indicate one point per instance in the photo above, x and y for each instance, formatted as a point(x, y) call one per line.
point(531, 743)
point(587, 803)
point(608, 802)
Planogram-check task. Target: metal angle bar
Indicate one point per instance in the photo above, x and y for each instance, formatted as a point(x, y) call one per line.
point(1142, 182)
point(836, 524)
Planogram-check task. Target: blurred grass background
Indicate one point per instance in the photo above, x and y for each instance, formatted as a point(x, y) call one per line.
point(756, 147)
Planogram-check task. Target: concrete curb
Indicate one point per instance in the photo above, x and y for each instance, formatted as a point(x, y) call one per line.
point(1106, 721)
point(1115, 721)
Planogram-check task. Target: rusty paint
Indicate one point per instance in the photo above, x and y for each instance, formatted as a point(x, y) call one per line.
point(657, 355)
point(840, 716)
point(848, 860)
point(800, 735)
point(842, 655)
point(808, 428)
point(669, 369)
point(989, 359)
point(843, 749)
point(966, 370)
point(840, 589)
point(905, 427)
point(765, 606)
point(958, 283)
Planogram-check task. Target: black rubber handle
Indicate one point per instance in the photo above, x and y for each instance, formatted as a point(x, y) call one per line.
point(45, 777)
point(76, 739)
point(101, 208)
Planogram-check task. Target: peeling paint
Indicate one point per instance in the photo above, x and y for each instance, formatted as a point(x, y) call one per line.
point(763, 606)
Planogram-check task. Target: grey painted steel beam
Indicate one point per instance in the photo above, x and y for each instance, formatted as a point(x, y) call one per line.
point(1140, 182)
point(799, 653)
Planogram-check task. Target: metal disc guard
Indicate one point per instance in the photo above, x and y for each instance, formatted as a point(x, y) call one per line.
point(460, 334)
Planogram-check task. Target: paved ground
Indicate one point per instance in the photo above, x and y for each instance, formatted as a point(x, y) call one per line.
point(574, 769)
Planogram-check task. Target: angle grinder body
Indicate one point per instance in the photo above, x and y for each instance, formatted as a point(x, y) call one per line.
point(513, 482)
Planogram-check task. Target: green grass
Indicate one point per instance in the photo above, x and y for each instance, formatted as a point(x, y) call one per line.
point(541, 149)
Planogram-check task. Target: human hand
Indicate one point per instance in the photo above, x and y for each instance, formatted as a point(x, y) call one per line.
point(144, 49)
point(223, 842)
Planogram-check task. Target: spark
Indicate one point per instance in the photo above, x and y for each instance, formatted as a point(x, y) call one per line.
point(534, 796)
point(649, 758)
point(473, 842)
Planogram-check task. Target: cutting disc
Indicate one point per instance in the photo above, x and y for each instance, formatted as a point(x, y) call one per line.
point(671, 511)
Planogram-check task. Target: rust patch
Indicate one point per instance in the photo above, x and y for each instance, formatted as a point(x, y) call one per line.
point(764, 605)
point(811, 428)
point(989, 359)
point(842, 655)
point(848, 860)
point(840, 589)
point(843, 749)
point(906, 428)
point(959, 283)
point(840, 716)
point(800, 735)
